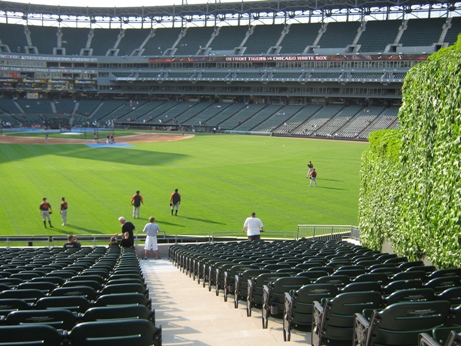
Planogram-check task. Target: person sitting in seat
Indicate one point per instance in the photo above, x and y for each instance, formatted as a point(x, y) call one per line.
point(70, 243)
point(114, 241)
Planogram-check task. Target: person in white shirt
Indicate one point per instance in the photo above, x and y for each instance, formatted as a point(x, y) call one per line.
point(253, 226)
point(151, 229)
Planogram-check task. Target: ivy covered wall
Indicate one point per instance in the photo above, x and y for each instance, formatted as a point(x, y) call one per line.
point(410, 192)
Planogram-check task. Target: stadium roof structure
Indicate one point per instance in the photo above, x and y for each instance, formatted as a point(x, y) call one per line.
point(217, 11)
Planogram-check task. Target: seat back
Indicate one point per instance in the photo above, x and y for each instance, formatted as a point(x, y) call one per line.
point(439, 284)
point(304, 299)
point(286, 284)
point(339, 313)
point(415, 294)
point(84, 291)
point(72, 303)
point(338, 280)
point(123, 299)
point(124, 288)
point(452, 294)
point(11, 304)
point(362, 286)
point(122, 332)
point(117, 312)
point(402, 285)
point(400, 324)
point(29, 295)
point(56, 318)
point(30, 334)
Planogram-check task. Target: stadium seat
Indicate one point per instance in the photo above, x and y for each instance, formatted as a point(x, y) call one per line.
point(299, 305)
point(30, 334)
point(400, 323)
point(229, 277)
point(412, 294)
point(84, 291)
point(241, 283)
point(56, 318)
point(333, 319)
point(255, 289)
point(338, 280)
point(362, 286)
point(273, 303)
point(28, 295)
point(8, 305)
point(123, 299)
point(121, 332)
point(118, 311)
point(77, 304)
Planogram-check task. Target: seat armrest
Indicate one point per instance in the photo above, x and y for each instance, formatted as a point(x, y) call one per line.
point(427, 340)
point(361, 327)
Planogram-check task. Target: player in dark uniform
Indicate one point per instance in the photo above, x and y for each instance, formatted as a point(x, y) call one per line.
point(136, 201)
point(45, 211)
point(175, 201)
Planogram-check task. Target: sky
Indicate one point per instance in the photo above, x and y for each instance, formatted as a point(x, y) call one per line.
point(117, 3)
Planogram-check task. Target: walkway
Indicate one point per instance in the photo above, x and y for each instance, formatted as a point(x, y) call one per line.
point(192, 315)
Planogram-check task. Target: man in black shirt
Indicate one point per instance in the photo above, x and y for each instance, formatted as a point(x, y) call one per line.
point(127, 226)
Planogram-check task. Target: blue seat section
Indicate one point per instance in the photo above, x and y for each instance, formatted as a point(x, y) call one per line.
point(378, 34)
point(132, 39)
point(262, 38)
point(194, 39)
point(299, 37)
point(161, 41)
point(339, 35)
point(229, 38)
point(422, 32)
point(14, 37)
point(104, 40)
point(44, 38)
point(74, 40)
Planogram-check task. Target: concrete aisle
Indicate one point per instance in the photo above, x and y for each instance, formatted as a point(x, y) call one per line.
point(192, 315)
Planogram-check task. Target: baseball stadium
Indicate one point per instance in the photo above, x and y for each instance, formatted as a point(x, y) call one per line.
point(230, 172)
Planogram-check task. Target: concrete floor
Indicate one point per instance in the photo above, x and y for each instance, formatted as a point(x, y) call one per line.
point(192, 315)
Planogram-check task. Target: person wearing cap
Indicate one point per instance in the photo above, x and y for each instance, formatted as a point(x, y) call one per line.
point(45, 211)
point(136, 201)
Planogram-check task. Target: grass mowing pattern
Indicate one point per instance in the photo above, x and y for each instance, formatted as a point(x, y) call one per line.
point(222, 178)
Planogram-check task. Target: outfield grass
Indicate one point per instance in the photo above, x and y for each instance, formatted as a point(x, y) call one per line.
point(222, 178)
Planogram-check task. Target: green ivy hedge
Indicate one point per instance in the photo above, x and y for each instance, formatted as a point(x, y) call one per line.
point(411, 185)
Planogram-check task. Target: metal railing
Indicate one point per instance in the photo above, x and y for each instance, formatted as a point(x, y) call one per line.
point(328, 231)
point(302, 231)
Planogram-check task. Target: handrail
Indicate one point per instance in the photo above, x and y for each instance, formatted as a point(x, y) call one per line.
point(303, 231)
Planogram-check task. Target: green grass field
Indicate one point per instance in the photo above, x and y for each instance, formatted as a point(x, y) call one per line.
point(222, 178)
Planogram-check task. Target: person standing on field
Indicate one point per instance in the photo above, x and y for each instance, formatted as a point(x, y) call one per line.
point(313, 176)
point(45, 211)
point(151, 229)
point(253, 226)
point(310, 167)
point(64, 211)
point(136, 201)
point(175, 201)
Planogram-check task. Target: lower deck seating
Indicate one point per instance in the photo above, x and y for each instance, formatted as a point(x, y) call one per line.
point(356, 277)
point(91, 296)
